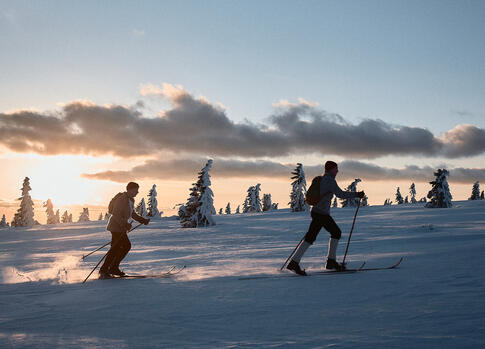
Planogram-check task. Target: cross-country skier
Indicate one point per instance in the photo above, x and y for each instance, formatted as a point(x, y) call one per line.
point(119, 224)
point(321, 218)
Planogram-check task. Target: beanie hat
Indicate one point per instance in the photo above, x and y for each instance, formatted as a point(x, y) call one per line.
point(329, 165)
point(132, 185)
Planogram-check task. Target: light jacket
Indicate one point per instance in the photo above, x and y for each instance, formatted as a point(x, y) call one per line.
point(329, 185)
point(122, 212)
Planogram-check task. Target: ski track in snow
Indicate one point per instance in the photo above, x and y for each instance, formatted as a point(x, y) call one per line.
point(435, 299)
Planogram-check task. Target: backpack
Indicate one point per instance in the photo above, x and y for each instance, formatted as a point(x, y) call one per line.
point(312, 196)
point(111, 205)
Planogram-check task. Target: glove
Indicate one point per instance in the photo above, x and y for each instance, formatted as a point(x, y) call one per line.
point(146, 221)
point(128, 226)
point(360, 194)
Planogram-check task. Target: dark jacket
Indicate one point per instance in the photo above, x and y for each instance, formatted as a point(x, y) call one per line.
point(329, 185)
point(118, 222)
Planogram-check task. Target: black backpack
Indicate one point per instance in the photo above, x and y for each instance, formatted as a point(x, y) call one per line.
point(111, 205)
point(312, 196)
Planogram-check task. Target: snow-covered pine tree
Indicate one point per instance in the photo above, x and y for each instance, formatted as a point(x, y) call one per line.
point(439, 194)
point(298, 190)
point(399, 199)
point(25, 214)
point(152, 211)
point(65, 217)
point(3, 222)
point(412, 191)
point(364, 201)
point(475, 191)
point(253, 200)
point(387, 202)
point(351, 202)
point(247, 200)
point(335, 204)
point(84, 216)
point(49, 210)
point(58, 218)
point(406, 200)
point(238, 209)
point(228, 208)
point(70, 218)
point(274, 206)
point(100, 218)
point(267, 202)
point(199, 209)
point(220, 211)
point(423, 199)
point(482, 195)
point(141, 208)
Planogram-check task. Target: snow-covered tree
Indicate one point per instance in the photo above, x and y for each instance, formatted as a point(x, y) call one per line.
point(274, 206)
point(351, 202)
point(475, 191)
point(100, 218)
point(228, 208)
point(25, 214)
point(70, 218)
point(238, 209)
point(298, 190)
point(423, 199)
point(153, 211)
point(49, 209)
point(199, 209)
point(406, 200)
point(84, 216)
point(65, 217)
point(267, 202)
point(220, 211)
point(141, 208)
point(387, 202)
point(482, 195)
point(364, 201)
point(3, 222)
point(412, 192)
point(335, 204)
point(439, 194)
point(399, 199)
point(58, 218)
point(253, 200)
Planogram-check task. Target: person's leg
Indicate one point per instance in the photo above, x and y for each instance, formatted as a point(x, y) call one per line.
point(335, 234)
point(111, 255)
point(125, 247)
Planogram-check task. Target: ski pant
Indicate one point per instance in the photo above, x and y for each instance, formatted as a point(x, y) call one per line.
point(120, 246)
point(319, 221)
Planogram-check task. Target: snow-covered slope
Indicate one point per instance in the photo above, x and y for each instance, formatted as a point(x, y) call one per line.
point(436, 299)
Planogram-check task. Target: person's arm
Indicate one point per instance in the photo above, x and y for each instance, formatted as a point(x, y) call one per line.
point(343, 194)
point(139, 218)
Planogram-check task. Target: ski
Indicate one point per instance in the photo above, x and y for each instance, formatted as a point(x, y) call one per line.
point(324, 272)
point(172, 271)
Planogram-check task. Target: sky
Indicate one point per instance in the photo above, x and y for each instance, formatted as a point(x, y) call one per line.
point(95, 94)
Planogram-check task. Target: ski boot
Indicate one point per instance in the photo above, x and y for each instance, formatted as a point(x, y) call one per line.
point(104, 275)
point(333, 264)
point(295, 267)
point(116, 271)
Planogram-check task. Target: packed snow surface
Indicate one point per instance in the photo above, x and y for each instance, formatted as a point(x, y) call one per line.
point(435, 299)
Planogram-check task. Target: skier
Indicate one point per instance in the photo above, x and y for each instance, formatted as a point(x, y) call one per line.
point(321, 218)
point(121, 209)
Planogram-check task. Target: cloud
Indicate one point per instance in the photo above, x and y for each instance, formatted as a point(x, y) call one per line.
point(199, 127)
point(187, 169)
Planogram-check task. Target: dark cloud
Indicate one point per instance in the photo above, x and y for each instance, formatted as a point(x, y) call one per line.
point(186, 169)
point(194, 125)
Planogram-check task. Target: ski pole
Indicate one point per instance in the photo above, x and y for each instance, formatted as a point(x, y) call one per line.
point(351, 230)
point(102, 259)
point(106, 244)
point(292, 253)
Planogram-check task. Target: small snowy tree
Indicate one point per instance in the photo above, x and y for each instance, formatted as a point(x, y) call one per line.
point(84, 216)
point(100, 218)
point(238, 209)
point(274, 206)
point(439, 195)
point(482, 196)
point(58, 218)
point(364, 201)
point(399, 199)
point(406, 200)
point(351, 202)
point(70, 218)
point(412, 192)
point(65, 217)
point(153, 203)
point(199, 209)
point(141, 209)
point(298, 190)
point(220, 211)
point(25, 214)
point(335, 204)
point(387, 202)
point(3, 222)
point(267, 202)
point(423, 199)
point(49, 209)
point(253, 200)
point(475, 191)
point(228, 208)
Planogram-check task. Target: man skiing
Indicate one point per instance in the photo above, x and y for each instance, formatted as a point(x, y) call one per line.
point(122, 210)
point(321, 218)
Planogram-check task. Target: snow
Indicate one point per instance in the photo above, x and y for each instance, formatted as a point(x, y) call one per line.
point(434, 300)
